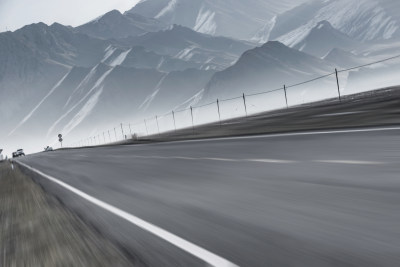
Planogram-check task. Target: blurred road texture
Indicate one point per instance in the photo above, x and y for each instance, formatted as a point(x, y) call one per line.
point(306, 199)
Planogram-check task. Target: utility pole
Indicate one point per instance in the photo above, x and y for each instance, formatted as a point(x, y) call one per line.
point(219, 113)
point(338, 86)
point(245, 106)
point(191, 112)
point(284, 89)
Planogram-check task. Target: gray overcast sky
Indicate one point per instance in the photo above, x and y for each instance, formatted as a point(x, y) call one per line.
point(16, 13)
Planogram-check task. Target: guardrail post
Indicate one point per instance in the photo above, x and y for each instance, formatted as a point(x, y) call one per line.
point(122, 130)
point(173, 116)
point(284, 89)
point(104, 137)
point(219, 113)
point(191, 113)
point(109, 135)
point(244, 102)
point(145, 124)
point(115, 133)
point(338, 86)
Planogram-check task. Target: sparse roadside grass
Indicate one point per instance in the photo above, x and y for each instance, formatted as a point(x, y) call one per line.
point(36, 230)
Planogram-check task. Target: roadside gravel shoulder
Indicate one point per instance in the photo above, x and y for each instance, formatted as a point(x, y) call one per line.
point(36, 230)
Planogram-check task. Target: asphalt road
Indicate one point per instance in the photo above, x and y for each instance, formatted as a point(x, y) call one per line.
point(322, 199)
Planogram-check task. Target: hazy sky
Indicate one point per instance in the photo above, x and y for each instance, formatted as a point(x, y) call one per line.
point(16, 13)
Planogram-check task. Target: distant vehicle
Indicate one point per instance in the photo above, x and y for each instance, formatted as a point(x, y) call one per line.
point(18, 153)
point(48, 148)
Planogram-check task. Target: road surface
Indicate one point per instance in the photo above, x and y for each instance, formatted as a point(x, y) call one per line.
point(309, 199)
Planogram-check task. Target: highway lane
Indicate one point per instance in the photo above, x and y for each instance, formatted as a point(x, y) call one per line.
point(295, 200)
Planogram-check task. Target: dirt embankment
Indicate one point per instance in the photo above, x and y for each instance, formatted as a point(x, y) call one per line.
point(36, 230)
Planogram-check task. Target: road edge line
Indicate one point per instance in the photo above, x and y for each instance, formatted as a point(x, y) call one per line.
point(198, 252)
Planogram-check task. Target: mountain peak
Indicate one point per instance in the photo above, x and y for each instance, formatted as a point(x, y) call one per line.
point(112, 14)
point(274, 44)
point(116, 25)
point(237, 19)
point(322, 38)
point(33, 26)
point(323, 24)
point(362, 20)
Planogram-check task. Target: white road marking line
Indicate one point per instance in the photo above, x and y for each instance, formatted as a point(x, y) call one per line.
point(221, 159)
point(271, 161)
point(277, 161)
point(339, 114)
point(206, 256)
point(354, 162)
point(215, 159)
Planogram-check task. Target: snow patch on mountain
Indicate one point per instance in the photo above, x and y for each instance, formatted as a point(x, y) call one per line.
point(262, 36)
point(83, 112)
point(192, 101)
point(69, 111)
point(364, 20)
point(82, 84)
point(205, 22)
point(27, 117)
point(239, 19)
point(147, 101)
point(120, 59)
point(186, 54)
point(167, 9)
point(109, 51)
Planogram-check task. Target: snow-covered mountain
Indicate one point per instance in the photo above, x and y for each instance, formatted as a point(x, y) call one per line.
point(185, 44)
point(33, 59)
point(116, 25)
point(164, 54)
point(323, 38)
point(363, 20)
point(86, 100)
point(140, 57)
point(265, 68)
point(233, 18)
point(55, 79)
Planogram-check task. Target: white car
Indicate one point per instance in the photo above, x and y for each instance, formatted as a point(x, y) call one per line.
point(18, 153)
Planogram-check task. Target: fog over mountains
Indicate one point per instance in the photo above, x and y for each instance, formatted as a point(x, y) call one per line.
point(164, 54)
